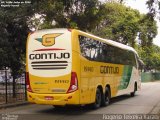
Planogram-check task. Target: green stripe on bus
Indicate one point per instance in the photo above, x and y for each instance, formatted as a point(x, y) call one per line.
point(126, 76)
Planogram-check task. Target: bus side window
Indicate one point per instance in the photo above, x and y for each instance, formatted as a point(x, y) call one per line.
point(95, 50)
point(84, 46)
point(118, 55)
point(100, 52)
point(89, 48)
point(132, 59)
point(107, 53)
point(104, 54)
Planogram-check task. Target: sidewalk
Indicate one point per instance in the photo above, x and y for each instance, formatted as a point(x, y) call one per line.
point(3, 106)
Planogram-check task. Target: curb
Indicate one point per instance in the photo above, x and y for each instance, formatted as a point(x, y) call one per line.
point(4, 106)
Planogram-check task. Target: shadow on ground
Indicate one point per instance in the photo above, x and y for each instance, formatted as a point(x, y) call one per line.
point(78, 110)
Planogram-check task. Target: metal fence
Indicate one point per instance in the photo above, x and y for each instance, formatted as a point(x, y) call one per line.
point(7, 87)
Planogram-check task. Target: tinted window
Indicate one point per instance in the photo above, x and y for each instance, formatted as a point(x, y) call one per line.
point(90, 48)
point(101, 52)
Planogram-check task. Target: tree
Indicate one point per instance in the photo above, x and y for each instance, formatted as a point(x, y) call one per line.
point(147, 31)
point(123, 24)
point(14, 30)
point(154, 8)
point(156, 57)
point(150, 56)
point(81, 14)
point(120, 23)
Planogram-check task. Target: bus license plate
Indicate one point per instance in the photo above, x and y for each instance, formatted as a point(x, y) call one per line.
point(48, 97)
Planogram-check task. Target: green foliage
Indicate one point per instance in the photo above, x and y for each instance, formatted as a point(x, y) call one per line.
point(120, 23)
point(147, 30)
point(123, 24)
point(81, 14)
point(14, 30)
point(156, 57)
point(150, 56)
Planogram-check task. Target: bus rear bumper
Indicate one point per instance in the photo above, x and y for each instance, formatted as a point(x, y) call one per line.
point(54, 99)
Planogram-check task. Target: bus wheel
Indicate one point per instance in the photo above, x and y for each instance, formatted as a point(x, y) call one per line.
point(98, 99)
point(135, 89)
point(106, 97)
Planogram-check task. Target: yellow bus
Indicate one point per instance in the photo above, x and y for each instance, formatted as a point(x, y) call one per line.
point(72, 67)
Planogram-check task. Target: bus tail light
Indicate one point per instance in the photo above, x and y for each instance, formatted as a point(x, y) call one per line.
point(28, 82)
point(74, 83)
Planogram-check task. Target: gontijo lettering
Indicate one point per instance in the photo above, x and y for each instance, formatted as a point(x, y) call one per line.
point(109, 70)
point(49, 56)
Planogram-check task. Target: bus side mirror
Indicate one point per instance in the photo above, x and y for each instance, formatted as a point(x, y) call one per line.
point(140, 64)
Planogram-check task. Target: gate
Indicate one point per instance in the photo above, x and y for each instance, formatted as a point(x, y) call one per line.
point(6, 88)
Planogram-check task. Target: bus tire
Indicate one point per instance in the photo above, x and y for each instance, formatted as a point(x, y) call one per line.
point(135, 89)
point(106, 97)
point(98, 99)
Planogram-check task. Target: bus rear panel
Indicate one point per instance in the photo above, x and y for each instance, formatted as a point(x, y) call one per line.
point(50, 79)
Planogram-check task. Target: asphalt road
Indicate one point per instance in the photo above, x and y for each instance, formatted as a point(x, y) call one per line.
point(144, 106)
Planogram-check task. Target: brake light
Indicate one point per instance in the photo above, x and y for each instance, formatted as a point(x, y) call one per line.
point(74, 83)
point(28, 83)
